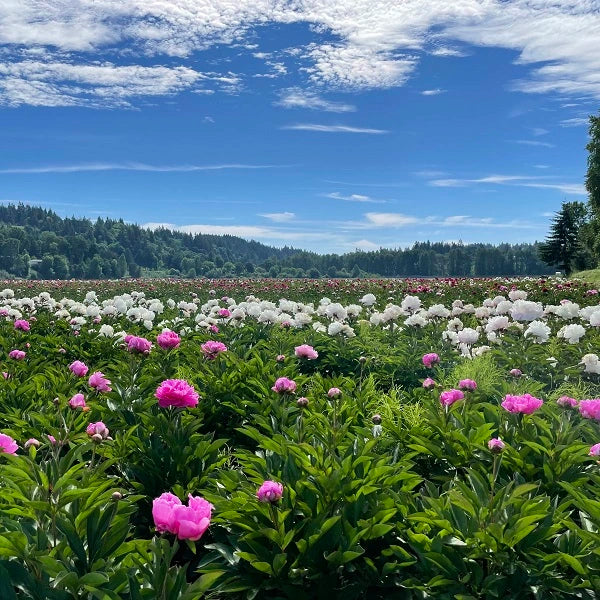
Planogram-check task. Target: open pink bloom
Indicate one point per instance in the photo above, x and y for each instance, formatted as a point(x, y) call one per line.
point(334, 392)
point(212, 349)
point(78, 368)
point(590, 409)
point(449, 397)
point(430, 359)
point(22, 325)
point(186, 522)
point(98, 428)
point(17, 354)
point(224, 313)
point(429, 383)
point(168, 340)
point(270, 491)
point(78, 401)
point(284, 385)
point(176, 392)
point(595, 450)
point(7, 444)
point(496, 445)
point(213, 329)
point(138, 344)
point(467, 384)
point(525, 404)
point(567, 402)
point(306, 351)
point(99, 382)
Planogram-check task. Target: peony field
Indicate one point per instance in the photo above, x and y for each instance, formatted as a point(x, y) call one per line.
point(273, 439)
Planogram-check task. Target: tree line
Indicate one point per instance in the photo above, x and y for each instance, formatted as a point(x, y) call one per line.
point(36, 243)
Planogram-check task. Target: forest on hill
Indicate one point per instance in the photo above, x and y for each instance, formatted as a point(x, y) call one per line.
point(37, 243)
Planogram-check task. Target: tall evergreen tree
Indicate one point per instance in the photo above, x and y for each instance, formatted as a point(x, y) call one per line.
point(592, 179)
point(563, 247)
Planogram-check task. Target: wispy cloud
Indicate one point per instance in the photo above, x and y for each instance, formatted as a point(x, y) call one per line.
point(435, 92)
point(534, 143)
point(575, 122)
point(352, 197)
point(129, 166)
point(299, 98)
point(334, 128)
point(397, 220)
point(576, 189)
point(281, 217)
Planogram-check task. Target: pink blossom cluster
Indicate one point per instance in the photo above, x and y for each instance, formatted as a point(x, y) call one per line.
point(212, 349)
point(525, 404)
point(168, 340)
point(22, 325)
point(590, 409)
point(306, 351)
point(17, 354)
point(177, 393)
point(430, 359)
point(7, 444)
point(449, 397)
point(99, 382)
point(270, 491)
point(137, 344)
point(186, 522)
point(567, 402)
point(97, 431)
point(78, 368)
point(283, 385)
point(467, 384)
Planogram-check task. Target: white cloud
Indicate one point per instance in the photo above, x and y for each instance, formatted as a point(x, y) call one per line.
point(390, 219)
point(132, 166)
point(365, 245)
point(334, 128)
point(576, 189)
point(397, 220)
point(98, 84)
point(435, 92)
point(534, 143)
point(352, 197)
point(281, 217)
point(575, 122)
point(377, 42)
point(537, 131)
point(299, 98)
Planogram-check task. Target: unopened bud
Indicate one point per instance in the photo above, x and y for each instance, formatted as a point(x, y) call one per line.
point(117, 496)
point(302, 402)
point(376, 419)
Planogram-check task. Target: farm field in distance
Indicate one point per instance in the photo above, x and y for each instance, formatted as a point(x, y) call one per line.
point(293, 438)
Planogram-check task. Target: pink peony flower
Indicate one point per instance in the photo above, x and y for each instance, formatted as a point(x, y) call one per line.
point(516, 372)
point(284, 385)
point(590, 409)
point(22, 325)
point(17, 354)
point(137, 344)
point(270, 491)
point(280, 357)
point(99, 382)
point(496, 445)
point(429, 383)
point(224, 313)
point(449, 397)
point(32, 442)
point(52, 439)
point(430, 359)
point(212, 349)
point(306, 351)
point(7, 444)
point(213, 329)
point(176, 392)
point(168, 340)
point(186, 522)
point(98, 428)
point(334, 392)
point(78, 368)
point(595, 450)
point(78, 401)
point(525, 404)
point(467, 384)
point(566, 402)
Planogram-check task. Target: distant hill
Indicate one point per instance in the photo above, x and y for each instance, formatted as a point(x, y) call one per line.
point(36, 243)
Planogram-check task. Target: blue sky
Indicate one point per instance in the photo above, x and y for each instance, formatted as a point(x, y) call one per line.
point(322, 124)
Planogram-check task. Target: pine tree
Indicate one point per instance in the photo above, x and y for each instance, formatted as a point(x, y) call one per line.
point(563, 247)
